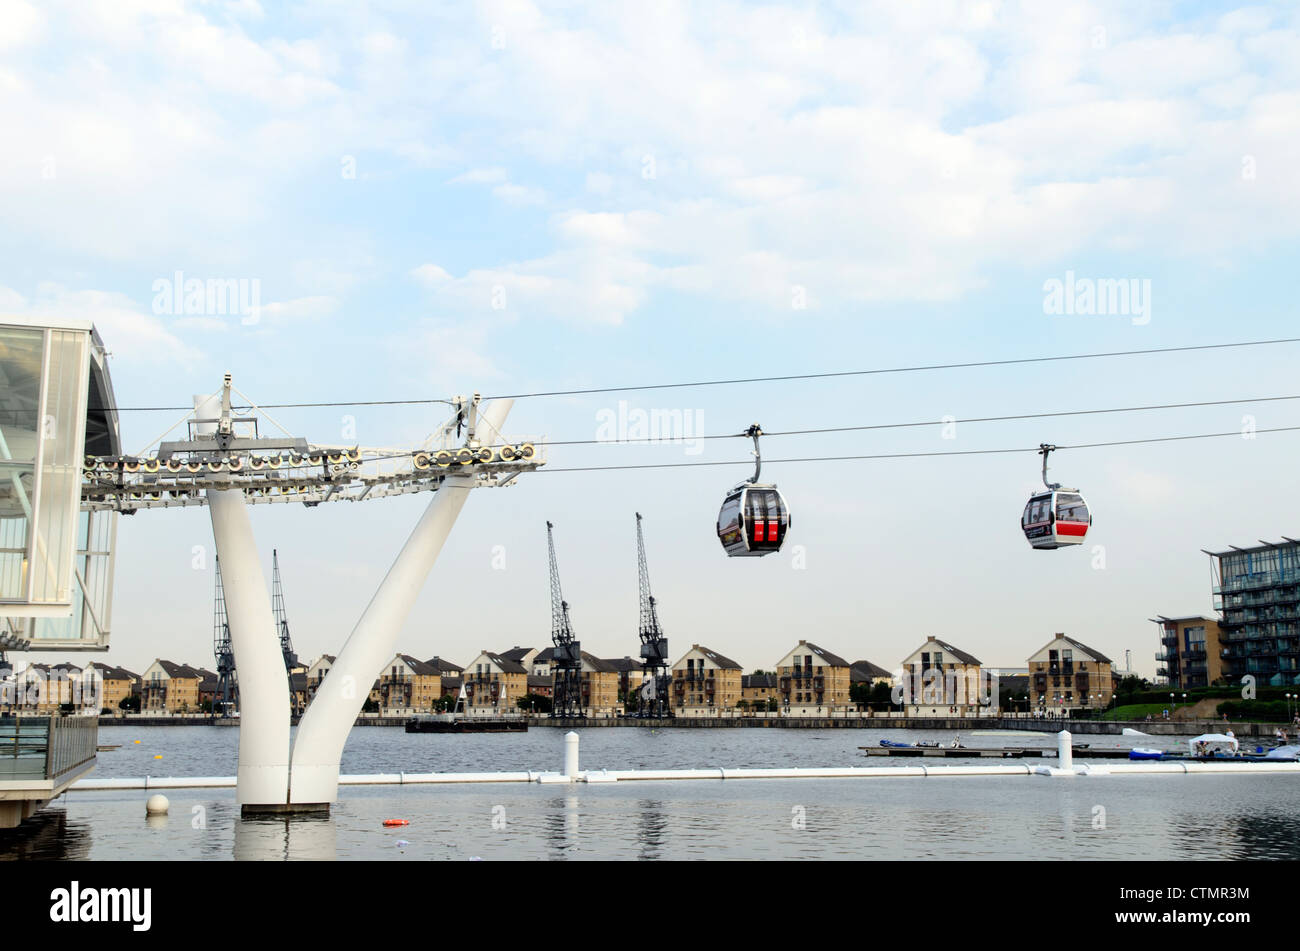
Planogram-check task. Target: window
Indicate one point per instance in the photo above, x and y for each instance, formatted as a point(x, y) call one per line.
point(1071, 508)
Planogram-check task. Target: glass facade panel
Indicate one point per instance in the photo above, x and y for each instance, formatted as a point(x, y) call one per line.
point(21, 354)
point(62, 433)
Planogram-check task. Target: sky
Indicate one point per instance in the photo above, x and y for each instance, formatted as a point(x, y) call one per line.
point(425, 200)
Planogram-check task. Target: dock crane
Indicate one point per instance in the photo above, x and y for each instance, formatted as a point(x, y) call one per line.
point(567, 663)
point(223, 701)
point(281, 616)
point(653, 700)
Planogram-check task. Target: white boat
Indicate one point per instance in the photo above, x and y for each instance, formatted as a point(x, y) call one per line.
point(1286, 753)
point(1213, 744)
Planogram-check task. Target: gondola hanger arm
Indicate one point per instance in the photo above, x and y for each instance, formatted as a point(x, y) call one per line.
point(754, 432)
point(1045, 450)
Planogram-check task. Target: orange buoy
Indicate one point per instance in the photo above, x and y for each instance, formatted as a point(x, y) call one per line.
point(397, 822)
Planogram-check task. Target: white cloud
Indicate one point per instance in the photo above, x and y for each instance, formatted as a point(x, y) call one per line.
point(299, 309)
point(480, 176)
point(519, 194)
point(131, 334)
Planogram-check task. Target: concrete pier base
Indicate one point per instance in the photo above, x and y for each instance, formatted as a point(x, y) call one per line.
point(252, 811)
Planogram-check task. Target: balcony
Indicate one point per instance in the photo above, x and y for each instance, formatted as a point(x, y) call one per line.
point(39, 758)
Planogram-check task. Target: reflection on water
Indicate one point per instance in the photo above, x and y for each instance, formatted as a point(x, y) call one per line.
point(653, 824)
point(47, 836)
point(310, 838)
point(1013, 817)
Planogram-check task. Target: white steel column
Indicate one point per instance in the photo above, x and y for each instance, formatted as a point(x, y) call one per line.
point(323, 731)
point(263, 777)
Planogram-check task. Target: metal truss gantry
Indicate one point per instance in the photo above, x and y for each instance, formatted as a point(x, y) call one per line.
point(227, 465)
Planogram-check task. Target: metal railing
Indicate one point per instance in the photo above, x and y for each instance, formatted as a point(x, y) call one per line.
point(41, 748)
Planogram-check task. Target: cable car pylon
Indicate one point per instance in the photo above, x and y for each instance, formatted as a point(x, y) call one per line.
point(566, 697)
point(652, 698)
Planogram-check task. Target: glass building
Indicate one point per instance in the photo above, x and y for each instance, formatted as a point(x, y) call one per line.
point(1257, 590)
point(56, 560)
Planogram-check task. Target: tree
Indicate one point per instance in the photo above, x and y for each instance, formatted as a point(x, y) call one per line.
point(773, 705)
point(534, 703)
point(370, 706)
point(129, 704)
point(1129, 687)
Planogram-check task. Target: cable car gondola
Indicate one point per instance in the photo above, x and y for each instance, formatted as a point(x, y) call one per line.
point(1055, 517)
point(754, 518)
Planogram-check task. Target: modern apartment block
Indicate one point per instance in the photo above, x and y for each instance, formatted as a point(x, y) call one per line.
point(1257, 591)
point(1191, 651)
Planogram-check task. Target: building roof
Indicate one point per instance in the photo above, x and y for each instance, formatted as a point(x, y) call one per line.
point(865, 670)
point(517, 653)
point(183, 671)
point(625, 664)
point(536, 680)
point(444, 665)
point(419, 667)
point(961, 655)
point(834, 660)
point(1091, 651)
point(754, 681)
point(1262, 546)
point(726, 663)
point(600, 666)
point(507, 666)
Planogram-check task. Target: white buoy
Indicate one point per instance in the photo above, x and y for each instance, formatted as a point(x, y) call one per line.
point(157, 806)
point(1064, 750)
point(571, 755)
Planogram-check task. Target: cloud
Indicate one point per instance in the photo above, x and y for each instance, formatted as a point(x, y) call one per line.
point(299, 309)
point(132, 334)
point(480, 176)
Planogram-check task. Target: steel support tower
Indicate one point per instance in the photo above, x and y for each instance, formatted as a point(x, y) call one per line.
point(567, 663)
point(652, 698)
